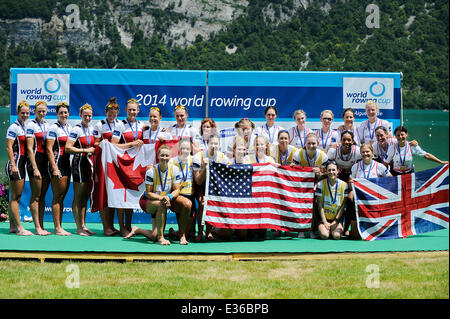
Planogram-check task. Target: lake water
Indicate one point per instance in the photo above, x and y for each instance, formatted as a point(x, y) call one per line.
point(429, 127)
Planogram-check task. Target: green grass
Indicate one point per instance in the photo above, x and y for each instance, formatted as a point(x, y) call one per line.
point(412, 275)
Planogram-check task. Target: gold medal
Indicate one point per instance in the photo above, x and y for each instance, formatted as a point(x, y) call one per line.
point(403, 168)
point(163, 193)
point(334, 206)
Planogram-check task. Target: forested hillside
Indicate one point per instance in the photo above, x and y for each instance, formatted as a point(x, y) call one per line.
point(412, 38)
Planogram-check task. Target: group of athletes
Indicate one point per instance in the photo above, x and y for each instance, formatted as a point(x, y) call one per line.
point(43, 151)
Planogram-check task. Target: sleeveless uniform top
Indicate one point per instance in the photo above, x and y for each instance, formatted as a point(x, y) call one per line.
point(379, 153)
point(186, 132)
point(232, 161)
point(331, 197)
point(325, 140)
point(252, 159)
point(17, 133)
point(250, 145)
point(83, 138)
point(298, 136)
point(128, 132)
point(186, 174)
point(271, 133)
point(354, 131)
point(60, 134)
point(301, 158)
point(401, 158)
point(285, 159)
point(162, 182)
point(150, 137)
point(366, 131)
point(375, 169)
point(197, 159)
point(39, 132)
point(344, 161)
point(104, 130)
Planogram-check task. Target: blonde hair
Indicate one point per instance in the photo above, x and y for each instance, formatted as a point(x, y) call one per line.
point(85, 106)
point(299, 112)
point(368, 145)
point(372, 102)
point(327, 111)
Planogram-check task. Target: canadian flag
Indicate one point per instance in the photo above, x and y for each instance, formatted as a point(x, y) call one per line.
point(119, 175)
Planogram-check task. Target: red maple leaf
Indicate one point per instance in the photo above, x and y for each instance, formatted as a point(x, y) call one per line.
point(123, 175)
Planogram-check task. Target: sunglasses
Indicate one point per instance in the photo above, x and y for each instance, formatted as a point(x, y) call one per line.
point(63, 104)
point(40, 102)
point(86, 107)
point(179, 107)
point(112, 106)
point(327, 118)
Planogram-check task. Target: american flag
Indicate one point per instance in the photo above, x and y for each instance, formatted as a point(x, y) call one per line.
point(259, 196)
point(404, 205)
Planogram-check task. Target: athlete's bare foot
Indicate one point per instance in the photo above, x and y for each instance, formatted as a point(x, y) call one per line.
point(183, 240)
point(83, 233)
point(42, 232)
point(62, 232)
point(131, 233)
point(163, 241)
point(24, 232)
point(90, 232)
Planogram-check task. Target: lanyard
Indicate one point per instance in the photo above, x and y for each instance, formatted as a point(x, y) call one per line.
point(88, 135)
point(257, 160)
point(44, 131)
point(314, 160)
point(285, 157)
point(326, 140)
point(402, 160)
point(163, 186)
point(364, 169)
point(182, 131)
point(333, 200)
point(268, 131)
point(381, 151)
point(156, 135)
point(63, 128)
point(137, 130)
point(106, 120)
point(348, 156)
point(300, 137)
point(185, 176)
point(372, 131)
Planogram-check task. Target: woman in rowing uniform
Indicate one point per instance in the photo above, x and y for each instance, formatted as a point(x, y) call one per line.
point(260, 156)
point(128, 133)
point(103, 130)
point(270, 129)
point(349, 125)
point(366, 129)
point(331, 197)
point(345, 154)
point(298, 132)
point(401, 154)
point(81, 144)
point(155, 133)
point(162, 187)
point(37, 165)
point(326, 135)
point(59, 164)
point(283, 152)
point(182, 130)
point(366, 168)
point(200, 163)
point(15, 167)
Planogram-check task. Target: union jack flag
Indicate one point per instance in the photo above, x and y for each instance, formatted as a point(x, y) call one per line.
point(404, 205)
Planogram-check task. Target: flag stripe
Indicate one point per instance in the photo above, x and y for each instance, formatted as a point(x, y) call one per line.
point(259, 196)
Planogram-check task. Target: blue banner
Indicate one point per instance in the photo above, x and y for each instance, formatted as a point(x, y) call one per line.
point(225, 96)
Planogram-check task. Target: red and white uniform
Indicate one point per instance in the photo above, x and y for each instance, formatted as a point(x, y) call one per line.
point(373, 170)
point(82, 163)
point(298, 136)
point(128, 132)
point(401, 158)
point(16, 132)
point(38, 131)
point(325, 140)
point(271, 133)
point(60, 134)
point(366, 131)
point(104, 129)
